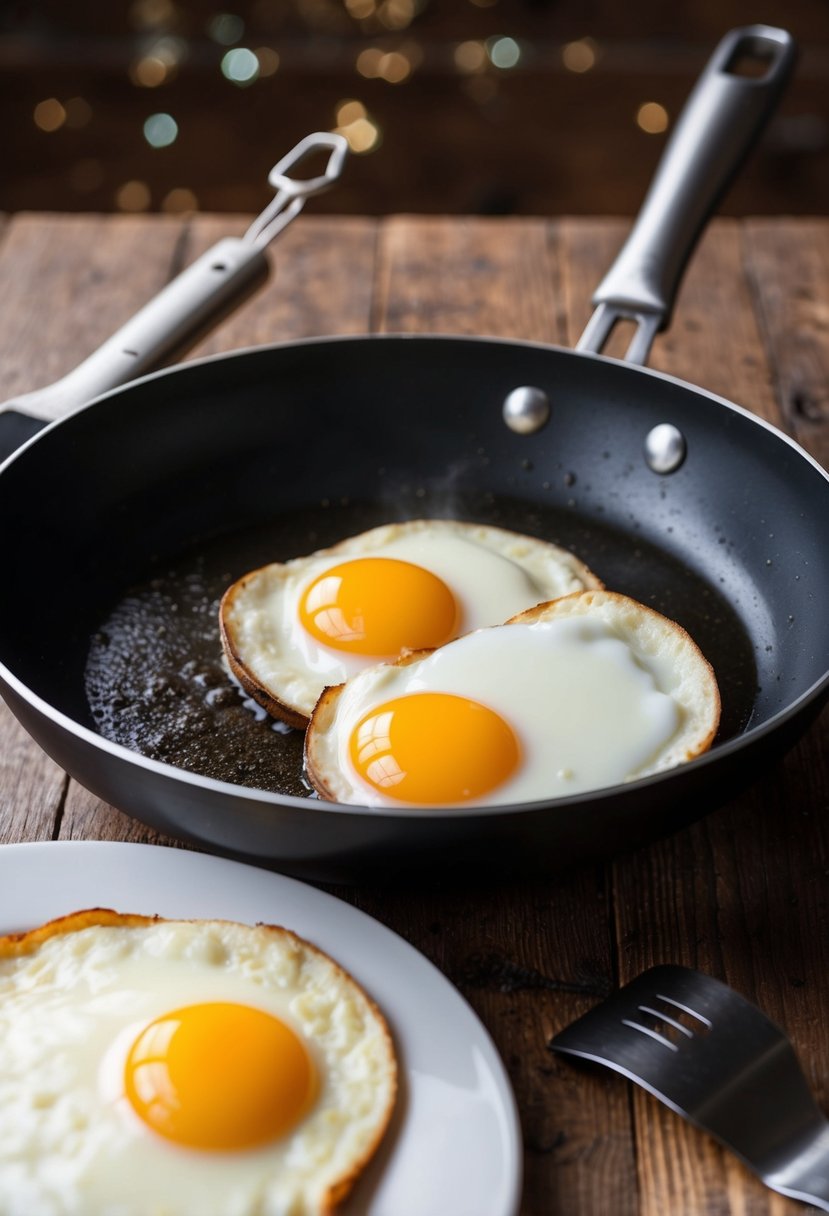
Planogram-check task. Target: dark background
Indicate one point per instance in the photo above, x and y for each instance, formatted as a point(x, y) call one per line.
point(444, 128)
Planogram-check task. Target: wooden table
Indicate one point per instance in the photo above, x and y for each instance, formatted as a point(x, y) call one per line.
point(743, 894)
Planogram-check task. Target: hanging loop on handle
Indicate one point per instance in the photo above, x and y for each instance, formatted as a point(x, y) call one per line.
point(721, 120)
point(292, 192)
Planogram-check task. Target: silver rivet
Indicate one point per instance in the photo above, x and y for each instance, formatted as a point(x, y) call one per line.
point(526, 409)
point(665, 448)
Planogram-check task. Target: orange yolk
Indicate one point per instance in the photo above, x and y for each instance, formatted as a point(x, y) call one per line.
point(219, 1076)
point(434, 747)
point(378, 606)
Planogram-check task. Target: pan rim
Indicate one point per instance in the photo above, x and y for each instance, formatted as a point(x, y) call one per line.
point(454, 339)
point(266, 797)
point(271, 798)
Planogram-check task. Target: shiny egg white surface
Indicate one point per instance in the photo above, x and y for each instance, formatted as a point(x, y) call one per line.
point(591, 691)
point(177, 1068)
point(290, 629)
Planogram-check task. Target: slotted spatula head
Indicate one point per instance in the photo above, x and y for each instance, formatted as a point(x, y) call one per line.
point(717, 1060)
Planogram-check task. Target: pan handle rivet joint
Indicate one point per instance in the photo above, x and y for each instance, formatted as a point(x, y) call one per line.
point(665, 448)
point(526, 409)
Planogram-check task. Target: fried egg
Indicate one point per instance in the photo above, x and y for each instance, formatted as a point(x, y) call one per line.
point(291, 629)
point(166, 1068)
point(587, 692)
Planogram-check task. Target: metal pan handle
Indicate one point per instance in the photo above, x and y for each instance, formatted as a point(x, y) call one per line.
point(718, 126)
point(194, 301)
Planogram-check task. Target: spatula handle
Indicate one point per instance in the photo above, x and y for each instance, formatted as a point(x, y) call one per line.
point(185, 308)
point(199, 297)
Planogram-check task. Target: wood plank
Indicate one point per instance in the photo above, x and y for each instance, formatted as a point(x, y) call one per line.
point(32, 787)
point(787, 264)
point(86, 817)
point(469, 276)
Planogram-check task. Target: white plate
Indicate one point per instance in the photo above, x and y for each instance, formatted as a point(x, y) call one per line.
point(454, 1143)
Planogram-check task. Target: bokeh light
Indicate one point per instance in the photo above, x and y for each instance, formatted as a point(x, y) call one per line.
point(652, 118)
point(160, 130)
point(50, 114)
point(396, 14)
point(504, 53)
point(133, 196)
point(179, 201)
point(359, 129)
point(392, 66)
point(149, 72)
point(361, 10)
point(579, 56)
point(470, 56)
point(240, 66)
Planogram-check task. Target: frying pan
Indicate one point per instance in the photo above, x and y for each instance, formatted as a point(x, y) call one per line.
point(671, 494)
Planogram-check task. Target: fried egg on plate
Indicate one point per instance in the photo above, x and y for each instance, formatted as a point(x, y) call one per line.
point(587, 692)
point(291, 629)
point(183, 1068)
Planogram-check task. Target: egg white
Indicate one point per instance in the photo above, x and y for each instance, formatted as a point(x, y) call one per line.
point(70, 1143)
point(492, 573)
point(598, 689)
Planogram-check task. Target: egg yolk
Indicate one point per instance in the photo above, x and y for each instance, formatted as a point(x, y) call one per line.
point(378, 606)
point(433, 747)
point(219, 1076)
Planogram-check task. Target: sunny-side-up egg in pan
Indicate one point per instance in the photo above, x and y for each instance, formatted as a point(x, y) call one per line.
point(587, 692)
point(292, 628)
point(152, 1067)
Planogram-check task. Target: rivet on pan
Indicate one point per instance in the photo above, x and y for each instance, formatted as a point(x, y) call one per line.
point(665, 448)
point(526, 409)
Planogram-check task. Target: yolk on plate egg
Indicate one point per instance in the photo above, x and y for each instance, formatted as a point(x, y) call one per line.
point(589, 691)
point(259, 1083)
point(183, 1067)
point(291, 629)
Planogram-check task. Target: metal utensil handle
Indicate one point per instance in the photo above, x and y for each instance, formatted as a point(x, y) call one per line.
point(197, 298)
point(223, 275)
point(719, 124)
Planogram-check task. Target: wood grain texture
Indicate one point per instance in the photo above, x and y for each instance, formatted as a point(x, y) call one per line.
point(321, 282)
point(32, 787)
point(787, 264)
point(744, 893)
point(473, 276)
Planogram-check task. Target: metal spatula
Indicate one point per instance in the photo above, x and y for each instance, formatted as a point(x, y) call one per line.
point(718, 1061)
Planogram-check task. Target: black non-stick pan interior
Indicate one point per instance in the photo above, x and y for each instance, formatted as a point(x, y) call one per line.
point(132, 517)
